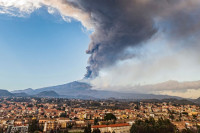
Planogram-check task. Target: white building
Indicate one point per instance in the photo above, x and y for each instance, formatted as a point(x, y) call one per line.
point(117, 128)
point(20, 129)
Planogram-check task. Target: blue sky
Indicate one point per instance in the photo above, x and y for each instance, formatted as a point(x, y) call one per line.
point(41, 50)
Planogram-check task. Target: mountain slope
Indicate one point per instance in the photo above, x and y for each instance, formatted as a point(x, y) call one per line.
point(28, 91)
point(21, 94)
point(82, 90)
point(5, 93)
point(49, 94)
point(197, 100)
point(73, 88)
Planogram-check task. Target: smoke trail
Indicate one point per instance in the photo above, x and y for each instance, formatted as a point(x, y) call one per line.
point(122, 24)
point(118, 25)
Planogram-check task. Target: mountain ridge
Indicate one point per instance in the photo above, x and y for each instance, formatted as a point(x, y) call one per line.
point(48, 94)
point(5, 93)
point(84, 90)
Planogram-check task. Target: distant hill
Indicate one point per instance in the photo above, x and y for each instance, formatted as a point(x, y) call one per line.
point(81, 90)
point(197, 100)
point(22, 94)
point(50, 94)
point(179, 101)
point(28, 91)
point(5, 93)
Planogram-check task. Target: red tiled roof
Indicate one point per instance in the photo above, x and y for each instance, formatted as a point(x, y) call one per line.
point(113, 125)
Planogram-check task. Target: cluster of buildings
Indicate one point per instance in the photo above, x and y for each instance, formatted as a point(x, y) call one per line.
point(61, 114)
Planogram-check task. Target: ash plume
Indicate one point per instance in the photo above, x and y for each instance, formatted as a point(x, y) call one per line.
point(118, 25)
point(122, 24)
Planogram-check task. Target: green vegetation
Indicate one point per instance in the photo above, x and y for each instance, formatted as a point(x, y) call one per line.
point(1, 130)
point(96, 104)
point(87, 129)
point(96, 121)
point(110, 116)
point(96, 131)
point(160, 126)
point(34, 126)
point(30, 105)
point(63, 115)
point(152, 126)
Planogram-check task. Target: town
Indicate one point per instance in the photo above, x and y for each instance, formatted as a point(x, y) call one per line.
point(18, 114)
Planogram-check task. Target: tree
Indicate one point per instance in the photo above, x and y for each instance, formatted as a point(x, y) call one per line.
point(198, 129)
point(187, 130)
point(33, 126)
point(96, 104)
point(109, 116)
point(87, 129)
point(152, 126)
point(1, 130)
point(63, 115)
point(137, 106)
point(96, 120)
point(51, 131)
point(65, 131)
point(30, 105)
point(70, 125)
point(185, 113)
point(180, 116)
point(171, 116)
point(194, 117)
point(96, 131)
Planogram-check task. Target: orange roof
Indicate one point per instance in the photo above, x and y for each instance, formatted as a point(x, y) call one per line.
point(112, 125)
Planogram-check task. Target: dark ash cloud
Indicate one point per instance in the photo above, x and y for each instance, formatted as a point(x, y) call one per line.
point(118, 25)
point(122, 24)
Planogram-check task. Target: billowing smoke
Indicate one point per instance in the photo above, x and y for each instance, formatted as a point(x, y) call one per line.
point(123, 24)
point(120, 25)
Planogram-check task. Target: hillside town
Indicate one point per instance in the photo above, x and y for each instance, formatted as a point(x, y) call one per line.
point(51, 115)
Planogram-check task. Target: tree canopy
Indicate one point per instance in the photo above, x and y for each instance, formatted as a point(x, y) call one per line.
point(109, 116)
point(152, 126)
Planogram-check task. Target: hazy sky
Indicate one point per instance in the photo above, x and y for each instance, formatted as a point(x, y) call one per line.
point(128, 43)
